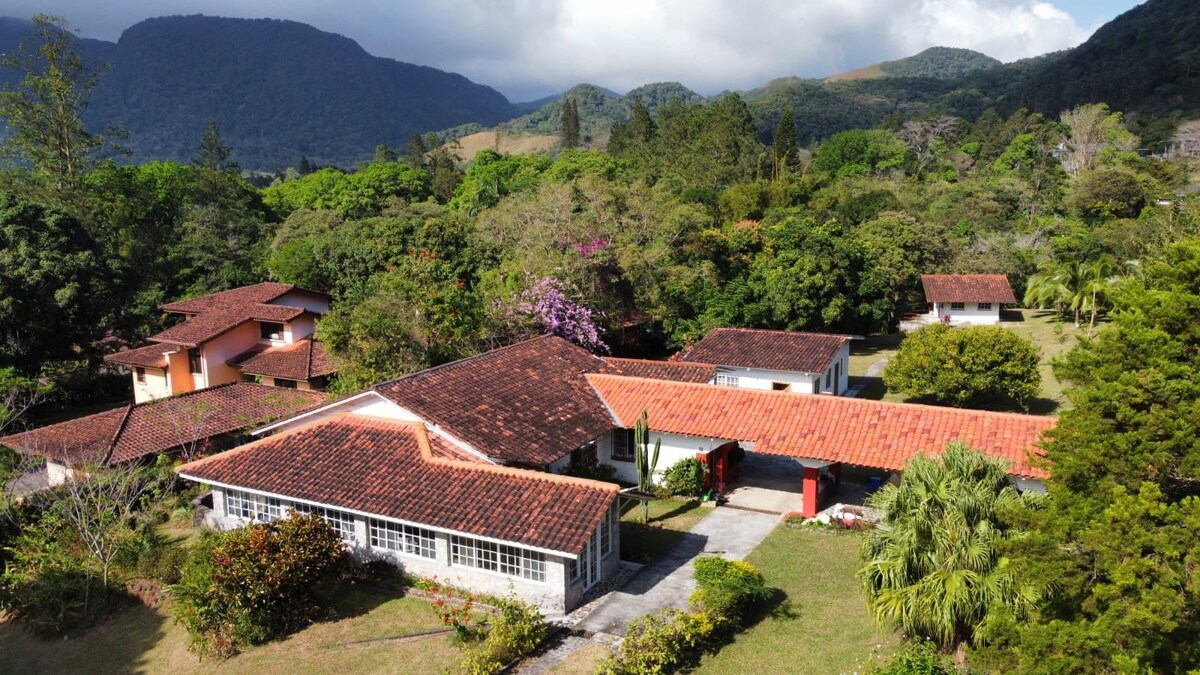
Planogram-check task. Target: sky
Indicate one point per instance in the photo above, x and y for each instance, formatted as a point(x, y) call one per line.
point(532, 48)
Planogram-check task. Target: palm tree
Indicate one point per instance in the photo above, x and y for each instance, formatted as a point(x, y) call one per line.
point(930, 568)
point(1076, 286)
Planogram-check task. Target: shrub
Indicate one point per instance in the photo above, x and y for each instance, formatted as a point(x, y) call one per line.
point(601, 472)
point(726, 588)
point(164, 563)
point(250, 585)
point(515, 631)
point(686, 477)
point(918, 658)
point(659, 643)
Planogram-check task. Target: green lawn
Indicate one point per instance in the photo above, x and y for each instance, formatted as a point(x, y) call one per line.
point(669, 519)
point(822, 625)
point(144, 640)
point(1051, 335)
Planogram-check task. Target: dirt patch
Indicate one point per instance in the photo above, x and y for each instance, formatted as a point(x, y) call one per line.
point(522, 144)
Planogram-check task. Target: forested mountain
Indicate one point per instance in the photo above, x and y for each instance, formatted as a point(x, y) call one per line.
point(599, 108)
point(943, 63)
point(277, 89)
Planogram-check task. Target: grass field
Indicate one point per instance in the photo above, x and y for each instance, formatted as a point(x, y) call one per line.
point(823, 625)
point(1051, 335)
point(669, 519)
point(469, 146)
point(144, 640)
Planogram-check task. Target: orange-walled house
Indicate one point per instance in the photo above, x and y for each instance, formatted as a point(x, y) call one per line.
point(258, 333)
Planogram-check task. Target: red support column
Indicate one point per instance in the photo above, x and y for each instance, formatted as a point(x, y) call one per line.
point(708, 477)
point(809, 492)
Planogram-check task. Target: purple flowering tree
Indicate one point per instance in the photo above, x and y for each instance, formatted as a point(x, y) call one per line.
point(546, 304)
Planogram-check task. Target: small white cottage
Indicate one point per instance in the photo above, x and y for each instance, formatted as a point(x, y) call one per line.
point(966, 299)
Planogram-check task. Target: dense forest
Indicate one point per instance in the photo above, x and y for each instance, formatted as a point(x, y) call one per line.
point(686, 221)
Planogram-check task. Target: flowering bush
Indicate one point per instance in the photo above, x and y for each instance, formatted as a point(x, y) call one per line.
point(587, 248)
point(515, 630)
point(454, 606)
point(546, 303)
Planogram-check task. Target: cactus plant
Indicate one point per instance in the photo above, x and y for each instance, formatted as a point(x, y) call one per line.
point(645, 462)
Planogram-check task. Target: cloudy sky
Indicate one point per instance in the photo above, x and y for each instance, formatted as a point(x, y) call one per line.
point(531, 48)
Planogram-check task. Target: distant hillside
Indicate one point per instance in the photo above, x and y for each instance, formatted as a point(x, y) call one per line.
point(277, 89)
point(940, 63)
point(599, 108)
point(468, 146)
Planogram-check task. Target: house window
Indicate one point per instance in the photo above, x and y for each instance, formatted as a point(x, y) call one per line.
point(194, 360)
point(404, 539)
point(780, 386)
point(584, 455)
point(622, 445)
point(262, 509)
point(958, 305)
point(511, 561)
point(340, 521)
point(725, 380)
point(985, 306)
point(139, 374)
point(606, 534)
point(828, 378)
point(286, 384)
point(270, 331)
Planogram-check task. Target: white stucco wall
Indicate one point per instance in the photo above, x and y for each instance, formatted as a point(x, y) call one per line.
point(800, 383)
point(970, 314)
point(674, 448)
point(307, 301)
point(556, 593)
point(298, 328)
point(156, 385)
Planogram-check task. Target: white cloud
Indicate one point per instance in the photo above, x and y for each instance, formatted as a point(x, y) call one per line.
point(528, 48)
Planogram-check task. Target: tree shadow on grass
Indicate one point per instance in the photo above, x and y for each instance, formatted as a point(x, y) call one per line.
point(347, 600)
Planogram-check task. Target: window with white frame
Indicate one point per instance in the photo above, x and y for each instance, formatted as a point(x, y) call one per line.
point(985, 306)
point(606, 534)
point(512, 561)
point(404, 539)
point(725, 380)
point(340, 521)
point(958, 305)
point(250, 506)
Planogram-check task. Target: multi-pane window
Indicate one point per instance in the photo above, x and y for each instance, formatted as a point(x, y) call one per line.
point(622, 444)
point(584, 455)
point(252, 507)
point(985, 306)
point(194, 360)
point(286, 384)
point(958, 305)
point(404, 539)
point(606, 534)
point(340, 521)
point(270, 331)
point(139, 374)
point(508, 560)
point(725, 380)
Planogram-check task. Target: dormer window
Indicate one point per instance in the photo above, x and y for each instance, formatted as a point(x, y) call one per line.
point(270, 331)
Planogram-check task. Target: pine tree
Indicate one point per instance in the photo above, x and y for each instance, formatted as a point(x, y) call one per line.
point(570, 124)
point(383, 154)
point(642, 122)
point(212, 153)
point(305, 168)
point(414, 154)
point(785, 142)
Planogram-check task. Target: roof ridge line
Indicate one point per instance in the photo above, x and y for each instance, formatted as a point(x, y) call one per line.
point(690, 364)
point(112, 443)
point(467, 359)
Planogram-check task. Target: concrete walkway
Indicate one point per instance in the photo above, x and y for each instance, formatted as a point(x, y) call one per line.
point(667, 582)
point(875, 370)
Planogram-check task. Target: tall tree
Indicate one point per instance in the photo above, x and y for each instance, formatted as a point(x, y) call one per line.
point(570, 124)
point(931, 568)
point(1093, 131)
point(44, 112)
point(383, 154)
point(212, 153)
point(1075, 286)
point(785, 142)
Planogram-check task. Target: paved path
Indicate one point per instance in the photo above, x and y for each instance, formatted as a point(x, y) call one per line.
point(667, 582)
point(860, 383)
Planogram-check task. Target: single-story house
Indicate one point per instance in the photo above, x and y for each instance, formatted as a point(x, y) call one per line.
point(805, 363)
point(972, 299)
point(396, 490)
point(198, 422)
point(262, 332)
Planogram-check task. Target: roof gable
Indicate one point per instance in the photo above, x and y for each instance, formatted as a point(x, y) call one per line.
point(829, 428)
point(393, 469)
point(967, 288)
point(767, 349)
point(244, 295)
point(303, 359)
point(677, 371)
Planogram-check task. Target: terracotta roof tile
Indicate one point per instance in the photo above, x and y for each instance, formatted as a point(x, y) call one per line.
point(677, 371)
point(303, 359)
point(244, 295)
point(148, 356)
point(967, 288)
point(830, 428)
point(526, 404)
point(164, 425)
point(767, 349)
point(215, 322)
point(388, 468)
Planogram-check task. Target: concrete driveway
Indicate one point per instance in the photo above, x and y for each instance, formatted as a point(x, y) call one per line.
point(667, 582)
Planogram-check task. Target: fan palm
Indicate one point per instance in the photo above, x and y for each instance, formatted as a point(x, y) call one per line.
point(930, 568)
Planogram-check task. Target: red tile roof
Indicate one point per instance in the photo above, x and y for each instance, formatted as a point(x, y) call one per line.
point(215, 322)
point(527, 403)
point(303, 359)
point(148, 356)
point(388, 468)
point(164, 425)
point(677, 371)
point(767, 349)
point(830, 428)
point(245, 295)
point(967, 288)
